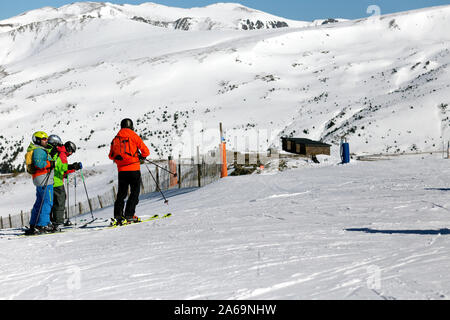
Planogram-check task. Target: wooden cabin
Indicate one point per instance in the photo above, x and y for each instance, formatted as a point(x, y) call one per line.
point(305, 147)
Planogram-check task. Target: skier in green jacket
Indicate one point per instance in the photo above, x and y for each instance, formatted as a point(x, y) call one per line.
point(59, 154)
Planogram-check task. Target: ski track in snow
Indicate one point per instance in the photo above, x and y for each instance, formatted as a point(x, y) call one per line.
point(350, 236)
point(286, 195)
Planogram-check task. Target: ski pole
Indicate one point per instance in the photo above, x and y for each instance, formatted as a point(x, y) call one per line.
point(68, 222)
point(75, 181)
point(68, 201)
point(68, 197)
point(157, 186)
point(174, 174)
point(89, 201)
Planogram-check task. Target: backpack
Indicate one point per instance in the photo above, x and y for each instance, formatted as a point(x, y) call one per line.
point(123, 151)
point(36, 159)
point(29, 162)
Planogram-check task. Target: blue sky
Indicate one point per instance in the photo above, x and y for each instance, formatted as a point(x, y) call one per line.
point(306, 10)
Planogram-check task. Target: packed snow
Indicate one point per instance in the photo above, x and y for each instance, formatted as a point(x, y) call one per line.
point(367, 230)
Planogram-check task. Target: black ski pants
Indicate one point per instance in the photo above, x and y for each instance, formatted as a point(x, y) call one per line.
point(127, 179)
point(59, 202)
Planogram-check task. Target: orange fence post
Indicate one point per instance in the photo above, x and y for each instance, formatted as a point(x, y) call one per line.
point(172, 168)
point(224, 172)
point(223, 150)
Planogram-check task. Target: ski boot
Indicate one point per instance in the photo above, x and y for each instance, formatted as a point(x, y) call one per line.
point(46, 229)
point(130, 220)
point(118, 221)
point(37, 230)
point(56, 227)
point(31, 231)
point(115, 222)
point(68, 223)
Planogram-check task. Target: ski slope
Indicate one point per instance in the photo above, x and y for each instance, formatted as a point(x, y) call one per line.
point(381, 82)
point(367, 230)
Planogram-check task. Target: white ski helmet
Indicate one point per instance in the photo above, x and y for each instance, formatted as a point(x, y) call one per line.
point(55, 140)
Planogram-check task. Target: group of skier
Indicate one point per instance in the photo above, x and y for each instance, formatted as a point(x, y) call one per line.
point(46, 161)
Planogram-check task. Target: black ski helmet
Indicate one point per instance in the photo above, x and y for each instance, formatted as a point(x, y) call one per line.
point(127, 124)
point(70, 146)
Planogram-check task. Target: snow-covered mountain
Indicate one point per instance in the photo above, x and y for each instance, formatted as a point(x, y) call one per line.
point(367, 230)
point(76, 71)
point(212, 17)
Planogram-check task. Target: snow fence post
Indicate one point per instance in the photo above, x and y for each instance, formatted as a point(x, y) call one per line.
point(10, 221)
point(1, 222)
point(115, 193)
point(157, 177)
point(90, 204)
point(448, 150)
point(142, 187)
point(179, 171)
point(100, 201)
point(199, 168)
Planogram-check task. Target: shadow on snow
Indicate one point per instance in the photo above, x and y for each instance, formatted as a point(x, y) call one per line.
point(167, 193)
point(437, 189)
point(418, 232)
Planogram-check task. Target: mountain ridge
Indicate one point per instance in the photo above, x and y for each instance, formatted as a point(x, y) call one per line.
point(220, 15)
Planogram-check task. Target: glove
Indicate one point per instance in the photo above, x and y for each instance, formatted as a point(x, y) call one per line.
point(79, 166)
point(142, 159)
point(53, 152)
point(52, 164)
point(75, 166)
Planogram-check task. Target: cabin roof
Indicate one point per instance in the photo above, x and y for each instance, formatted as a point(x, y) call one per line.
point(308, 142)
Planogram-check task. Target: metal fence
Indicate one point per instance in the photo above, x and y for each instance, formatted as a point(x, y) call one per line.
point(188, 175)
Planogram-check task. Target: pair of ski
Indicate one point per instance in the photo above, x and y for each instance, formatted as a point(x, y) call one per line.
point(155, 217)
point(71, 227)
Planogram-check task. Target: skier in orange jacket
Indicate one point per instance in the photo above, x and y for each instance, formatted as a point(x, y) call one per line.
point(127, 151)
